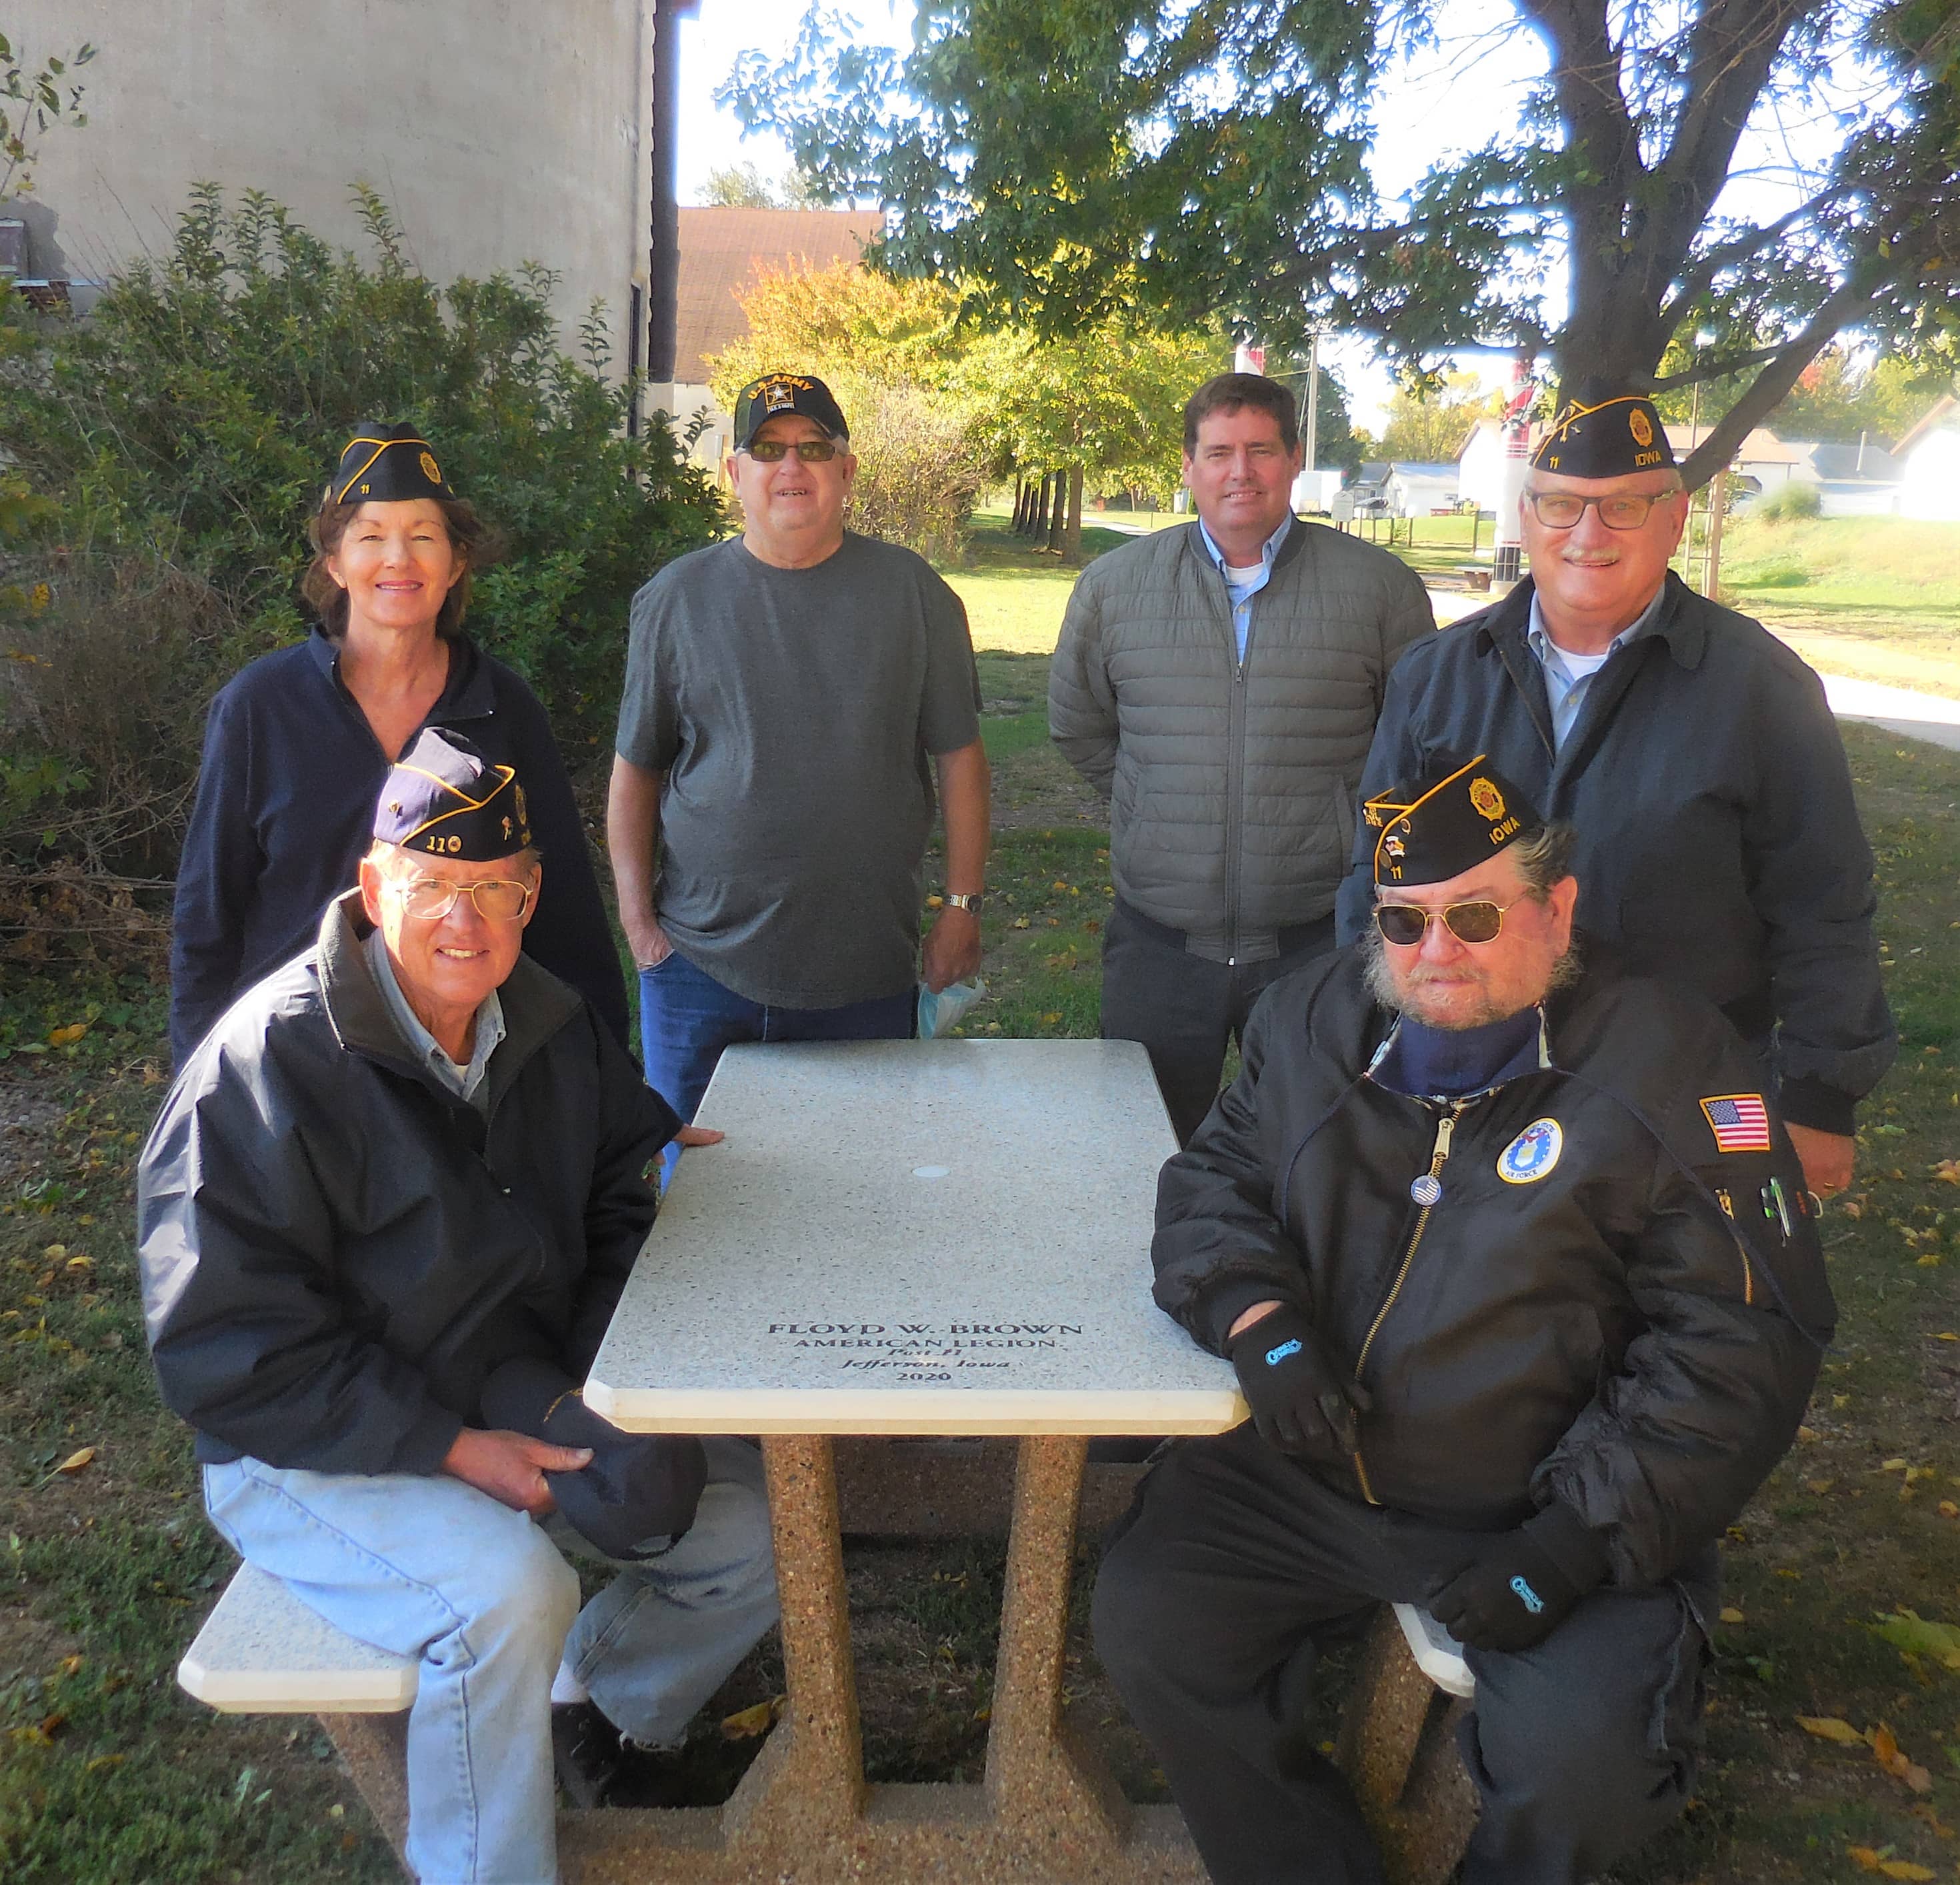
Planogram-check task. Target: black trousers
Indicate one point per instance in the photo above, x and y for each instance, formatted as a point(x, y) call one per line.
point(1185, 1008)
point(1207, 1610)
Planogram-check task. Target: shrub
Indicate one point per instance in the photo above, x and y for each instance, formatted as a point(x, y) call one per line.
point(184, 432)
point(1792, 498)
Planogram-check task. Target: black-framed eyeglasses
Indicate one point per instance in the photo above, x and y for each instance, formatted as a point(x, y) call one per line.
point(773, 451)
point(430, 899)
point(1618, 510)
point(1405, 924)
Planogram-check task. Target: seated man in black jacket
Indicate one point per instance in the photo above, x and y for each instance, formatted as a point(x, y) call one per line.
point(384, 1218)
point(1524, 1290)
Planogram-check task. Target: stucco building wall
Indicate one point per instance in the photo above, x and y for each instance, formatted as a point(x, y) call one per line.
point(499, 131)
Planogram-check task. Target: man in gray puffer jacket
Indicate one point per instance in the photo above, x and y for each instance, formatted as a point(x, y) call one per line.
point(1220, 683)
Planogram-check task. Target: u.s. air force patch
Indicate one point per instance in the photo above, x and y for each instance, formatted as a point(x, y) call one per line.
point(1532, 1155)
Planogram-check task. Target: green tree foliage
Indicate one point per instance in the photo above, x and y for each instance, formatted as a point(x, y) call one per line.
point(31, 102)
point(197, 413)
point(183, 433)
point(743, 186)
point(1070, 161)
point(1429, 425)
point(1841, 396)
point(1104, 403)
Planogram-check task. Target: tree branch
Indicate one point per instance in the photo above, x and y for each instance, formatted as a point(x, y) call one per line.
point(1695, 277)
point(1707, 370)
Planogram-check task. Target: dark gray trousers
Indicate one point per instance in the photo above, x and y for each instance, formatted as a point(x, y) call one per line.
point(1185, 1009)
point(1234, 1558)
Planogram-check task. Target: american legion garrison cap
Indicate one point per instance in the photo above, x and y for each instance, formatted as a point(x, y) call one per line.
point(1605, 431)
point(1440, 827)
point(776, 393)
point(445, 799)
point(387, 464)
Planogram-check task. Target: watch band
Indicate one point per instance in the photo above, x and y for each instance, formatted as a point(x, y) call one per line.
point(960, 900)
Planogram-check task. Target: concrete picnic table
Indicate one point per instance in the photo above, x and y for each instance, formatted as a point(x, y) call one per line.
point(911, 1237)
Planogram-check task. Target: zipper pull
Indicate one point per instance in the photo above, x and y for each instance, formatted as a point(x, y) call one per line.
point(1427, 1190)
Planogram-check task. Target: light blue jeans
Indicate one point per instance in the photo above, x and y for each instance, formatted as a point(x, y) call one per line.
point(430, 1567)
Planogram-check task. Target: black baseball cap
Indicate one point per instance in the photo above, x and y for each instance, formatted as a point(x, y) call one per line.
point(778, 393)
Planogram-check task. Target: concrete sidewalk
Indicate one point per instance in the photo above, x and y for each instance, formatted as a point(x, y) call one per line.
point(1928, 716)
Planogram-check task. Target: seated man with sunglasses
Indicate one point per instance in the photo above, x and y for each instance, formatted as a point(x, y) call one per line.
point(384, 1219)
point(791, 696)
point(1515, 1265)
point(1693, 753)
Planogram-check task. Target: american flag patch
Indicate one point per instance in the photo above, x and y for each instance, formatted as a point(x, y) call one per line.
point(1740, 1121)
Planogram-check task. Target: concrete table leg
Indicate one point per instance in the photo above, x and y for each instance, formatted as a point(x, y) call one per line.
point(1053, 1793)
point(811, 1773)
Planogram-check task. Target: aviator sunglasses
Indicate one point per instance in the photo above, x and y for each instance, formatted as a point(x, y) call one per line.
point(773, 451)
point(1405, 924)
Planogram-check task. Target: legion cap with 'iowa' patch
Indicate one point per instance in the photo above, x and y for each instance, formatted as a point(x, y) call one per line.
point(1440, 827)
point(387, 464)
point(444, 799)
point(1605, 431)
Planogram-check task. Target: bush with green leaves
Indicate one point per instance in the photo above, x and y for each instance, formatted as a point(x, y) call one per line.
point(189, 424)
point(1794, 497)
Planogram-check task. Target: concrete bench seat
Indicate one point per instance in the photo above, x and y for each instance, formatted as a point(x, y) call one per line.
point(261, 1652)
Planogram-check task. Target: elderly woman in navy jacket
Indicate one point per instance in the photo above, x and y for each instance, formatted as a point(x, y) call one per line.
point(297, 745)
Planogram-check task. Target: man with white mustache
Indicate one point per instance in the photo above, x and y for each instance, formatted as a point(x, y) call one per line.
point(1719, 844)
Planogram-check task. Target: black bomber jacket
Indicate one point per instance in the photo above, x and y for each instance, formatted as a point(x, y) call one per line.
point(1605, 1307)
point(336, 1251)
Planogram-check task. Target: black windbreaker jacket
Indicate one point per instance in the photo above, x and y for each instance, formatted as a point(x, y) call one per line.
point(1577, 1319)
point(336, 1251)
point(1720, 848)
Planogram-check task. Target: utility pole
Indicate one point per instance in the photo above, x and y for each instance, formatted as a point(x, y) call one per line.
point(1312, 401)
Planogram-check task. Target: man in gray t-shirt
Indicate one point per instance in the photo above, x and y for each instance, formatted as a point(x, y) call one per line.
point(791, 695)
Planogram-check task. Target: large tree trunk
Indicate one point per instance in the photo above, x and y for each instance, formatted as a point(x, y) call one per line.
point(1071, 537)
point(1040, 508)
point(1058, 513)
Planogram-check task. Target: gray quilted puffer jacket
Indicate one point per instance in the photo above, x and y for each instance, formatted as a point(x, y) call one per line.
point(1232, 787)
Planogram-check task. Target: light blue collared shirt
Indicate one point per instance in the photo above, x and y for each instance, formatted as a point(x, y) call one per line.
point(1242, 590)
point(465, 1081)
point(1567, 676)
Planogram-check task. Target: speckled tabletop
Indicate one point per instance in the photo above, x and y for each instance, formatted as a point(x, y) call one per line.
point(913, 1237)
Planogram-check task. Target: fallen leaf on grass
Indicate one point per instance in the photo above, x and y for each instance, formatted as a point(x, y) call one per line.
point(65, 1037)
point(1947, 1509)
point(1947, 1172)
point(1732, 1615)
point(1830, 1728)
point(745, 1723)
point(1907, 1630)
point(103, 1762)
point(1885, 1750)
point(1868, 1860)
point(76, 1460)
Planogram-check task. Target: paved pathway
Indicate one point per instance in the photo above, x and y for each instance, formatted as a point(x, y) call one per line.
point(1927, 717)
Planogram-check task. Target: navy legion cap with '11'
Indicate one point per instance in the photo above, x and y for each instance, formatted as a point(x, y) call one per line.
point(1441, 826)
point(445, 799)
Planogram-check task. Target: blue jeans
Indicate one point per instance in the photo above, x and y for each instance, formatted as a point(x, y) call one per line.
point(687, 1018)
point(430, 1567)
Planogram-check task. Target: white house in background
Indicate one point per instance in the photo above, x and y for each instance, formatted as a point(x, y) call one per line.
point(722, 251)
point(1761, 455)
point(1414, 490)
point(1929, 454)
point(1852, 481)
point(1479, 465)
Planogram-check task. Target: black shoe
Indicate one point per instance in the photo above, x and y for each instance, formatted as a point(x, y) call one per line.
point(586, 1752)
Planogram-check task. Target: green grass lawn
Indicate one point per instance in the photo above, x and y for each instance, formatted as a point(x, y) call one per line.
point(110, 1776)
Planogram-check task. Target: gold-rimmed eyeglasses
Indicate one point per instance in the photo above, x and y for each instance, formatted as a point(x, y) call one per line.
point(430, 899)
point(1405, 924)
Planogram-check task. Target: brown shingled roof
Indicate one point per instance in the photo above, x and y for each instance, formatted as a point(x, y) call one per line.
point(720, 250)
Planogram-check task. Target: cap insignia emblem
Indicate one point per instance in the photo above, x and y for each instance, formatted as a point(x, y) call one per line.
point(1637, 423)
point(431, 469)
point(1487, 798)
point(778, 398)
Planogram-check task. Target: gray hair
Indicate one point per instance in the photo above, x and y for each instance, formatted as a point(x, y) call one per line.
point(1545, 857)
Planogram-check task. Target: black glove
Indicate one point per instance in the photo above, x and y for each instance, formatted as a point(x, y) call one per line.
point(1521, 1585)
point(637, 1485)
point(1301, 1403)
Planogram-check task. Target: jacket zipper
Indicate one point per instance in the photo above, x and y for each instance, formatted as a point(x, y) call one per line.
point(1446, 1125)
point(1235, 778)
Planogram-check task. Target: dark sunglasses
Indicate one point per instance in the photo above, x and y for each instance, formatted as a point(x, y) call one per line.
point(773, 451)
point(1405, 924)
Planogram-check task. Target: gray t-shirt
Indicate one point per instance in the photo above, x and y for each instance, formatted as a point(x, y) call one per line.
point(793, 713)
